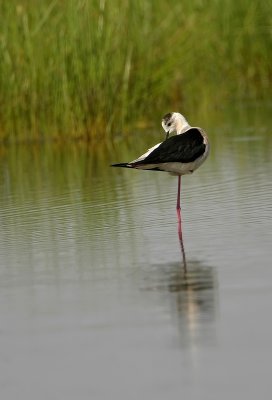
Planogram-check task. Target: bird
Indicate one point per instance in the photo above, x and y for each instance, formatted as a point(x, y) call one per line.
point(179, 154)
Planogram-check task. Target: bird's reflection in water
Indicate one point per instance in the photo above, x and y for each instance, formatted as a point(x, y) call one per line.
point(190, 298)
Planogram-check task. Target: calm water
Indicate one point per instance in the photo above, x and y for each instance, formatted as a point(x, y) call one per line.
point(94, 303)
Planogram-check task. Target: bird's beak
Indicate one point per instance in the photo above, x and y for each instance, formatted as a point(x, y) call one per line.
point(167, 135)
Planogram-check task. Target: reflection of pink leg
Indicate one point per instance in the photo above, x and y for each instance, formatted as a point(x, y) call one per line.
point(179, 225)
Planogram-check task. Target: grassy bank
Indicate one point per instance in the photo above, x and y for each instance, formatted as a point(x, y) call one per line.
point(92, 69)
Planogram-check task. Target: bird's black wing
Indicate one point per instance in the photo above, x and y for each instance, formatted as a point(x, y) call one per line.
point(184, 148)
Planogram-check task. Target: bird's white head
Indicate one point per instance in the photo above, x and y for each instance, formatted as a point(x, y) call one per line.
point(174, 122)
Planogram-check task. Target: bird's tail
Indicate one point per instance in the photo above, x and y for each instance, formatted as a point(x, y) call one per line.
point(123, 165)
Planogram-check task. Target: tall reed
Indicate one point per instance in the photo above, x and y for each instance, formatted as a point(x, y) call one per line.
point(93, 68)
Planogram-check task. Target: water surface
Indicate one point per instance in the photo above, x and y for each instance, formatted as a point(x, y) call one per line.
point(94, 303)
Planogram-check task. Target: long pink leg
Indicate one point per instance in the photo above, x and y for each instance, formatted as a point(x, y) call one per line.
point(178, 200)
point(179, 225)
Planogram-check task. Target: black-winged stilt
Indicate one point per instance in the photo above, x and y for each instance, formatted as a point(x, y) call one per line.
point(179, 155)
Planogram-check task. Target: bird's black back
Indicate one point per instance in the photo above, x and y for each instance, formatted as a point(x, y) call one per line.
point(184, 148)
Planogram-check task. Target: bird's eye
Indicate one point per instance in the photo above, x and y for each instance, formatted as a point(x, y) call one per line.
point(169, 124)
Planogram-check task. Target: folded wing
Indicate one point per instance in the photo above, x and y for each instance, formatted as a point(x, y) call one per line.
point(183, 148)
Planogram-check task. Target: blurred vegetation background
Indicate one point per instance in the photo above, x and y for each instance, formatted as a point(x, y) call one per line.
point(93, 69)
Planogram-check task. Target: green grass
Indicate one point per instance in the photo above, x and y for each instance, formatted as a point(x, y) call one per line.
point(95, 69)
